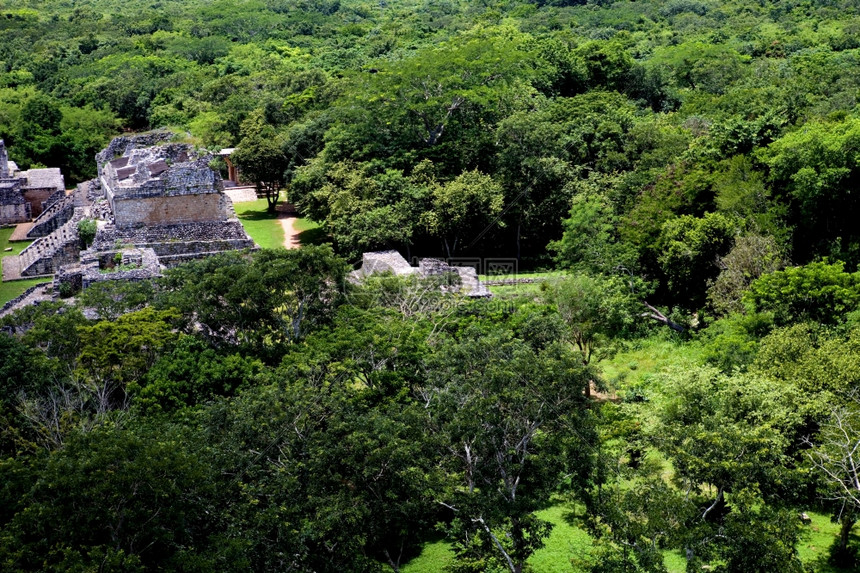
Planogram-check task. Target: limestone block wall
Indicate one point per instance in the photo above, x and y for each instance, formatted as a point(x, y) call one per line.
point(44, 255)
point(56, 196)
point(170, 254)
point(13, 214)
point(120, 145)
point(170, 209)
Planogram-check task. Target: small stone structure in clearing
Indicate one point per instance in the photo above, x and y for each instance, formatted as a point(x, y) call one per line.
point(155, 203)
point(393, 262)
point(25, 194)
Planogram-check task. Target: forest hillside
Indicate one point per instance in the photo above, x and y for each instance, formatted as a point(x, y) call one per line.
point(665, 379)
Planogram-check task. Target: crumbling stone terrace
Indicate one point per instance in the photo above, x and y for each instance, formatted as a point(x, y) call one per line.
point(153, 200)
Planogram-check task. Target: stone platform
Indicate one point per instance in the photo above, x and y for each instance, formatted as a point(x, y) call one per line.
point(20, 232)
point(241, 194)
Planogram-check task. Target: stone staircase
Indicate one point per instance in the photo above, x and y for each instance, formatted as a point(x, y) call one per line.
point(44, 255)
point(59, 212)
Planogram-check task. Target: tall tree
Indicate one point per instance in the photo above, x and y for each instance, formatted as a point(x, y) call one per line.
point(261, 158)
point(512, 422)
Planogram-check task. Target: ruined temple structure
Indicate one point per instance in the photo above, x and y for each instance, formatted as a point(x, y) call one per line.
point(25, 194)
point(155, 203)
point(465, 281)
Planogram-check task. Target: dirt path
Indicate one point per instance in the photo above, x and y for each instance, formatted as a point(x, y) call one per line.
point(287, 216)
point(291, 235)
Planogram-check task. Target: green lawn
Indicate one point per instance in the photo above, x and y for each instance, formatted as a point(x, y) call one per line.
point(10, 290)
point(17, 246)
point(638, 367)
point(568, 542)
point(262, 225)
point(565, 542)
point(435, 556)
point(13, 289)
point(525, 289)
point(266, 230)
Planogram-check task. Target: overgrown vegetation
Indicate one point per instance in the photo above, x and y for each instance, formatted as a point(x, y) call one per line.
point(685, 376)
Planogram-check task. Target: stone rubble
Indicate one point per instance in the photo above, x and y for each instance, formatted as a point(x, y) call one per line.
point(466, 283)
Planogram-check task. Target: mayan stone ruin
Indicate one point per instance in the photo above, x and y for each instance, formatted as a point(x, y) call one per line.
point(154, 204)
point(25, 194)
point(465, 281)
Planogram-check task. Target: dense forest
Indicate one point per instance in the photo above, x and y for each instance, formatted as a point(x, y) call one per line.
point(680, 383)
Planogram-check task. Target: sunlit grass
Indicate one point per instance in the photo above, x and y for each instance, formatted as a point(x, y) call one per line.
point(17, 246)
point(435, 556)
point(13, 289)
point(262, 225)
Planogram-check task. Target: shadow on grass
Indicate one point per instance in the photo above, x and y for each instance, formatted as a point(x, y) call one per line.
point(831, 561)
point(314, 236)
point(264, 215)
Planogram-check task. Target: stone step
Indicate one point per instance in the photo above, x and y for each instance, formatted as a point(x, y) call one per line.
point(42, 226)
point(48, 246)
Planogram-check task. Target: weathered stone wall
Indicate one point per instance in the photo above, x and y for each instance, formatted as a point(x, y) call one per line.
point(166, 210)
point(120, 145)
point(108, 236)
point(93, 263)
point(177, 243)
point(170, 254)
point(13, 207)
point(71, 275)
point(186, 178)
point(44, 255)
point(13, 214)
point(18, 299)
point(56, 196)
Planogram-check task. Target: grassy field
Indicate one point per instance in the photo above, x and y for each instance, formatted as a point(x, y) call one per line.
point(636, 367)
point(568, 542)
point(265, 228)
point(522, 290)
point(10, 290)
point(17, 246)
point(262, 225)
point(13, 289)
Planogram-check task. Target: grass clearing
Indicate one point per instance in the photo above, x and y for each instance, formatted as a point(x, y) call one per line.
point(261, 224)
point(17, 246)
point(819, 536)
point(565, 542)
point(13, 289)
point(530, 290)
point(639, 365)
point(434, 557)
point(265, 227)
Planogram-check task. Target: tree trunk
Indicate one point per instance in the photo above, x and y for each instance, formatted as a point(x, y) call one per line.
point(845, 533)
